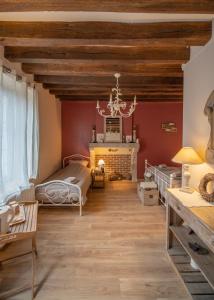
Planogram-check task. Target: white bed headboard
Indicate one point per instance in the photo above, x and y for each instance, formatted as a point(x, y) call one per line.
point(74, 157)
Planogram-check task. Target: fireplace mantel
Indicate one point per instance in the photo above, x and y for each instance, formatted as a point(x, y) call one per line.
point(115, 145)
point(115, 149)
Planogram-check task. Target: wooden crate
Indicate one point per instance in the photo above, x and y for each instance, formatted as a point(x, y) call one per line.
point(148, 196)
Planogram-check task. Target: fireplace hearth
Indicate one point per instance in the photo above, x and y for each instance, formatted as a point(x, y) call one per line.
point(118, 176)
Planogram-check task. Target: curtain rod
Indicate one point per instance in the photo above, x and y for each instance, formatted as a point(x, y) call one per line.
point(18, 77)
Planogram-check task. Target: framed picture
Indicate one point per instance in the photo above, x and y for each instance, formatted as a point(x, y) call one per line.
point(169, 127)
point(113, 129)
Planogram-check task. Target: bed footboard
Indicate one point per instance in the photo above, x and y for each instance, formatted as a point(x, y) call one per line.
point(163, 180)
point(59, 193)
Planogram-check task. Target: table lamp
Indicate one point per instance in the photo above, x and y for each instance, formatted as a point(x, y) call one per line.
point(187, 156)
point(101, 164)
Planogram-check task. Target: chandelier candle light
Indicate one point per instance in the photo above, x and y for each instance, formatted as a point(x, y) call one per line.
point(116, 106)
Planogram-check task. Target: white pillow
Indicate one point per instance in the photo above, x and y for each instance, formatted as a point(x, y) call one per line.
point(69, 179)
point(82, 162)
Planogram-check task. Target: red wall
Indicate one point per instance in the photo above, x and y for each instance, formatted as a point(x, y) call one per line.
point(156, 145)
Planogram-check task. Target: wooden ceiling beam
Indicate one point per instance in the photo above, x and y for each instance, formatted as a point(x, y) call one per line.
point(131, 88)
point(157, 98)
point(64, 54)
point(99, 68)
point(106, 92)
point(64, 34)
point(134, 6)
point(155, 42)
point(107, 80)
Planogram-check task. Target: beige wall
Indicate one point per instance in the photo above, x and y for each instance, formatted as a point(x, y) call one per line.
point(198, 85)
point(50, 134)
point(50, 126)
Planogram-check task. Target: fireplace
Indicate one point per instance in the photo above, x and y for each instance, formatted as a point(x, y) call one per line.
point(120, 158)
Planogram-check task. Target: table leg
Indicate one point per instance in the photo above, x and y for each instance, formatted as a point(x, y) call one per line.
point(33, 273)
point(172, 218)
point(169, 235)
point(34, 245)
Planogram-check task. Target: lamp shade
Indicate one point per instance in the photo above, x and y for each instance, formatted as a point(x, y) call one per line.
point(101, 162)
point(187, 155)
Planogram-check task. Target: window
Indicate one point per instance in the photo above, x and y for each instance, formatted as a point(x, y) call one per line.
point(18, 133)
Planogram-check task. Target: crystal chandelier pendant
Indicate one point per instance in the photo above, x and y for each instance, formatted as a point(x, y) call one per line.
point(116, 106)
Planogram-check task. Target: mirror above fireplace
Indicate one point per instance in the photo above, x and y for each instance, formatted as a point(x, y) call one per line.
point(113, 129)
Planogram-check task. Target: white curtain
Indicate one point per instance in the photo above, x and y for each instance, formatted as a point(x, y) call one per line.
point(18, 134)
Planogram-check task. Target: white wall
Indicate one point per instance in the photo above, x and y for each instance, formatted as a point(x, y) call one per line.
point(50, 125)
point(198, 85)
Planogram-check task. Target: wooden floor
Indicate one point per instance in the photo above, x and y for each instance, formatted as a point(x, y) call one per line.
point(116, 250)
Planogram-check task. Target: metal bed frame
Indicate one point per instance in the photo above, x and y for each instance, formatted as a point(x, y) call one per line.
point(66, 194)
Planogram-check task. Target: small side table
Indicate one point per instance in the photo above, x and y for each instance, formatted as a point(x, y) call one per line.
point(98, 179)
point(21, 241)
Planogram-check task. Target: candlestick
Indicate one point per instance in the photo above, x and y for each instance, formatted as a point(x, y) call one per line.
point(110, 98)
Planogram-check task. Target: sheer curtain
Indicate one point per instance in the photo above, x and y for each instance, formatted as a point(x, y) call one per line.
point(18, 134)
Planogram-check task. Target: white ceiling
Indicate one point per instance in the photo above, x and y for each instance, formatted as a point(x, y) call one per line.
point(101, 16)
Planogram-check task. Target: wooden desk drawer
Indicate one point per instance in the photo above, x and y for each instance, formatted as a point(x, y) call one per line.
point(186, 214)
point(178, 207)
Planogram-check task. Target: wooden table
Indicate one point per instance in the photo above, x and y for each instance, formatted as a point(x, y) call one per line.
point(15, 243)
point(189, 208)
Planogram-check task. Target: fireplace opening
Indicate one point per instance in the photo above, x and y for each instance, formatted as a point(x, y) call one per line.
point(118, 176)
point(119, 159)
point(117, 166)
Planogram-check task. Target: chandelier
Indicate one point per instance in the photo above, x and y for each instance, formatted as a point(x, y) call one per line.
point(116, 106)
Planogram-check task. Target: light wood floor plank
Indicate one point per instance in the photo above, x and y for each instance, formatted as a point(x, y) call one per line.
point(115, 251)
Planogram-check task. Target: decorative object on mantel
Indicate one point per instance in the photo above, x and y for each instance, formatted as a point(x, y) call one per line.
point(116, 106)
point(203, 187)
point(94, 135)
point(100, 137)
point(169, 127)
point(134, 134)
point(209, 112)
point(187, 156)
point(128, 139)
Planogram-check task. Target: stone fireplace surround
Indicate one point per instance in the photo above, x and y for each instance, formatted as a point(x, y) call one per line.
point(120, 156)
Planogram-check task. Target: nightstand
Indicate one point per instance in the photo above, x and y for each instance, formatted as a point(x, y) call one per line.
point(98, 179)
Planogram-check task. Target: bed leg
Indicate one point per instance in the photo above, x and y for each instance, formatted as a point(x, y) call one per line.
point(80, 209)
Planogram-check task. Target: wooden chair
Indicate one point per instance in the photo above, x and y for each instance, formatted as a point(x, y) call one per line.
point(19, 242)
